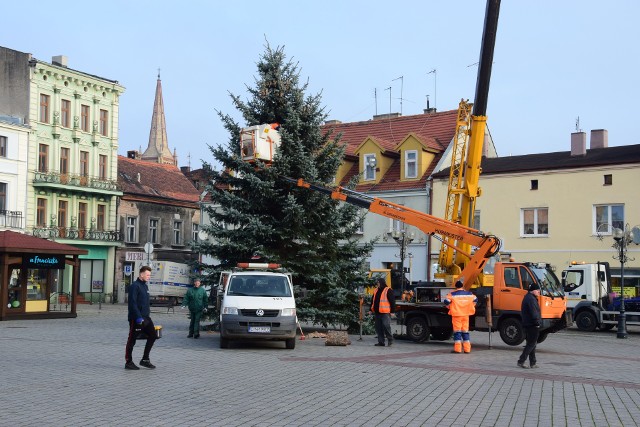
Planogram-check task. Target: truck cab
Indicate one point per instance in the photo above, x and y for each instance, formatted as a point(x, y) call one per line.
point(256, 304)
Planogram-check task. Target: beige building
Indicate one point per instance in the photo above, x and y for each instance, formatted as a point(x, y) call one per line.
point(559, 207)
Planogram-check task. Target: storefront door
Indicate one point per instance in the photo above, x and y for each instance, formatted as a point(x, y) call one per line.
point(17, 290)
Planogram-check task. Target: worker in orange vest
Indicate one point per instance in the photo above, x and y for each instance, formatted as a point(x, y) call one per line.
point(461, 304)
point(382, 305)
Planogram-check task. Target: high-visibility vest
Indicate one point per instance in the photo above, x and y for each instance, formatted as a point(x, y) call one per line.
point(461, 303)
point(384, 306)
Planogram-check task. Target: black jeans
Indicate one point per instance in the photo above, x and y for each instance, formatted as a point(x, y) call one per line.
point(149, 329)
point(529, 351)
point(383, 327)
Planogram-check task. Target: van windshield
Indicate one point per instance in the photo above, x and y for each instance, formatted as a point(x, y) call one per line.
point(256, 285)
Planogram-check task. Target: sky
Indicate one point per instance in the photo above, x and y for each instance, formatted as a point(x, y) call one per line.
point(555, 61)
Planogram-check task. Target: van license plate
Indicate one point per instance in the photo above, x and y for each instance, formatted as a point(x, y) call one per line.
point(260, 329)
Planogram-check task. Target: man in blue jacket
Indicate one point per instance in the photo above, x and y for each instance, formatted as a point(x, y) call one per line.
point(139, 320)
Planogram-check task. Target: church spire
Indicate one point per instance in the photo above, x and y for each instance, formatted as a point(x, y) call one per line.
point(158, 149)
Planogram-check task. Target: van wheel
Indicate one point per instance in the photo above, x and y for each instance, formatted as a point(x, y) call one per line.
point(290, 343)
point(586, 321)
point(224, 342)
point(511, 331)
point(417, 329)
point(543, 336)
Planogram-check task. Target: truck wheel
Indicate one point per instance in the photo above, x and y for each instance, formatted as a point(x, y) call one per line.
point(290, 343)
point(417, 329)
point(511, 331)
point(586, 321)
point(606, 327)
point(224, 342)
point(543, 336)
point(441, 334)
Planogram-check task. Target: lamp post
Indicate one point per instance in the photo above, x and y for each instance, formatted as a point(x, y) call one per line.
point(403, 239)
point(622, 239)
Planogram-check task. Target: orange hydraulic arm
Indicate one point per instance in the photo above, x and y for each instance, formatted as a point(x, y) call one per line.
point(486, 245)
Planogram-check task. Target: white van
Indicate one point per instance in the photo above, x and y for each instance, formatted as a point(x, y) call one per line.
point(257, 305)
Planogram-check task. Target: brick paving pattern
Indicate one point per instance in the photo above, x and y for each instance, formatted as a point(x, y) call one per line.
point(70, 372)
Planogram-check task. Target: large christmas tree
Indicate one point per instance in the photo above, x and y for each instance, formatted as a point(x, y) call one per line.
point(254, 213)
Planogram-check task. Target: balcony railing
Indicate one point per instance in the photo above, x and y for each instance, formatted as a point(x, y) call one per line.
point(73, 233)
point(10, 219)
point(75, 180)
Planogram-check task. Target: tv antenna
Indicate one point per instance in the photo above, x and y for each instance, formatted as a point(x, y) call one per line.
point(578, 124)
point(375, 95)
point(435, 87)
point(401, 78)
point(389, 89)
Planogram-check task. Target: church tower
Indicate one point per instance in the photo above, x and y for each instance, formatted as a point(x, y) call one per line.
point(158, 149)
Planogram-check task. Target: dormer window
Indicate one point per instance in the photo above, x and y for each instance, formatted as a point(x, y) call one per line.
point(411, 164)
point(370, 164)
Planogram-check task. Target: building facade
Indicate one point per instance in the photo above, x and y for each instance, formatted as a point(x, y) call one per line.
point(14, 143)
point(71, 161)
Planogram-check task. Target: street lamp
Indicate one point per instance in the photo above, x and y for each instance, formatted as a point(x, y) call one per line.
point(622, 239)
point(403, 239)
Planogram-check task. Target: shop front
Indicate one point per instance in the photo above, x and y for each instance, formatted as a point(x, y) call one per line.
point(38, 277)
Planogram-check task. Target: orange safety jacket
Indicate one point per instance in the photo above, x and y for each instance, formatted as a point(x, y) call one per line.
point(384, 306)
point(461, 303)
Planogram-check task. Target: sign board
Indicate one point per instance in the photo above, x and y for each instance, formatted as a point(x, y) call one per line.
point(44, 261)
point(127, 270)
point(148, 248)
point(134, 256)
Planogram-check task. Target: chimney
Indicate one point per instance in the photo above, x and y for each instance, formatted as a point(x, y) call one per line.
point(59, 60)
point(429, 110)
point(132, 154)
point(578, 143)
point(332, 122)
point(599, 138)
point(387, 116)
point(185, 169)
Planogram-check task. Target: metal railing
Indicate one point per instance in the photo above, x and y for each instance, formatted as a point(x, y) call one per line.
point(10, 219)
point(75, 180)
point(74, 233)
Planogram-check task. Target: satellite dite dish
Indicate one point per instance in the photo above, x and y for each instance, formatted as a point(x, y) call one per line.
point(202, 235)
point(636, 235)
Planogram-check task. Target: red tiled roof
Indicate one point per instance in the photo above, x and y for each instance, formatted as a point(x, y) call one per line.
point(157, 181)
point(10, 241)
point(435, 130)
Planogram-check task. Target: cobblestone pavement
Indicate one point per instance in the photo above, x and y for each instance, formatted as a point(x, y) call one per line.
point(70, 372)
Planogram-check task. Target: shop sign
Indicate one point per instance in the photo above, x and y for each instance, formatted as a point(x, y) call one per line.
point(44, 261)
point(134, 256)
point(97, 284)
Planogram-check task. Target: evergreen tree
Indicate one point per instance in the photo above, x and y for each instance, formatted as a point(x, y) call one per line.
point(255, 213)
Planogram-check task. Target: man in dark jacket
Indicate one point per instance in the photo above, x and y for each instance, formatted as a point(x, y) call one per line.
point(139, 320)
point(197, 301)
point(383, 304)
point(531, 321)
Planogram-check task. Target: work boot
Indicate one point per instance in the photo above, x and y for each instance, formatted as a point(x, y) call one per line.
point(522, 365)
point(190, 336)
point(380, 344)
point(534, 366)
point(130, 365)
point(147, 364)
point(196, 336)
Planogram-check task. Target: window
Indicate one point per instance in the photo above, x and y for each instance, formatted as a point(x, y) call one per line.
point(82, 215)
point(608, 179)
point(153, 230)
point(44, 108)
point(104, 122)
point(3, 146)
point(65, 113)
point(84, 163)
point(177, 232)
point(476, 220)
point(100, 218)
point(62, 217)
point(194, 231)
point(43, 158)
point(608, 217)
point(370, 167)
point(411, 164)
point(85, 120)
point(534, 184)
point(3, 196)
point(64, 161)
point(132, 229)
point(535, 222)
point(41, 212)
point(103, 166)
